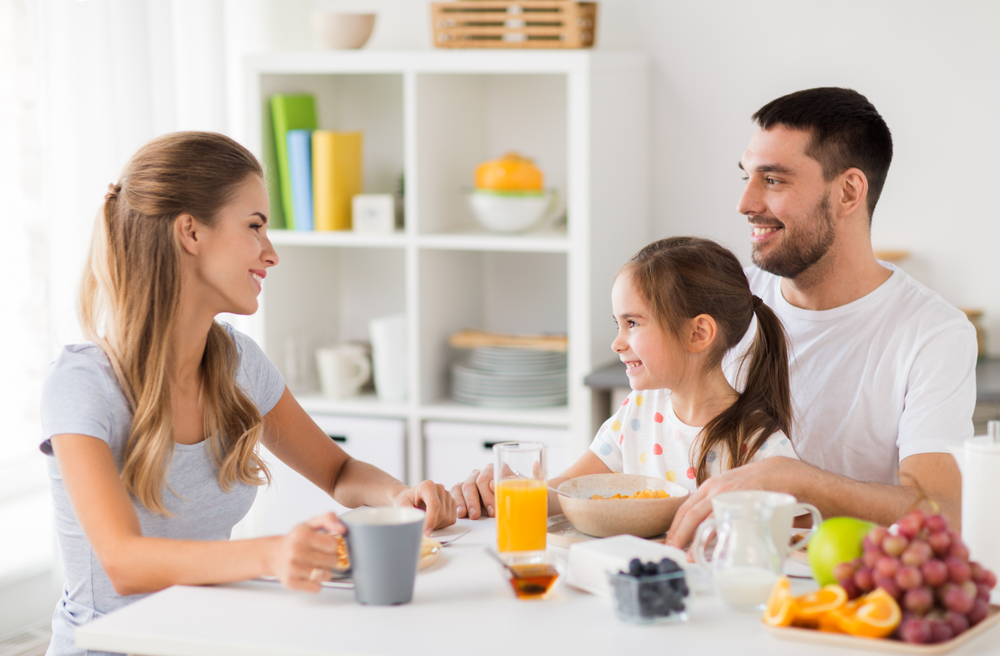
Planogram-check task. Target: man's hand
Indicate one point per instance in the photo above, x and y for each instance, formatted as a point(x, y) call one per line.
point(433, 499)
point(475, 494)
point(776, 474)
point(832, 494)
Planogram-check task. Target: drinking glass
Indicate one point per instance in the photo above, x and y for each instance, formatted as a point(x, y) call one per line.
point(522, 500)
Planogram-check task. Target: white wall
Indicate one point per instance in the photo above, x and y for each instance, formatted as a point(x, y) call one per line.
point(931, 68)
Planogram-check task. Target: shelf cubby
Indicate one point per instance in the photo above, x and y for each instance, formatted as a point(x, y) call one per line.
point(434, 116)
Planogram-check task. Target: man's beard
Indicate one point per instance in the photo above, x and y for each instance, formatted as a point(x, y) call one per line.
point(794, 256)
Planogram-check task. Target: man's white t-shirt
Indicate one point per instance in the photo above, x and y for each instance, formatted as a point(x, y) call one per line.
point(645, 437)
point(887, 376)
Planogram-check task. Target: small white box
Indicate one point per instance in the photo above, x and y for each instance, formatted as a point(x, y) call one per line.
point(373, 213)
point(590, 562)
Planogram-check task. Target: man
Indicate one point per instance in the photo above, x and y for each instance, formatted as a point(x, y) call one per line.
point(882, 369)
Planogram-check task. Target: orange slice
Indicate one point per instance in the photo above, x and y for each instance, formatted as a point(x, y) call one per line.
point(877, 616)
point(830, 623)
point(836, 620)
point(815, 604)
point(781, 607)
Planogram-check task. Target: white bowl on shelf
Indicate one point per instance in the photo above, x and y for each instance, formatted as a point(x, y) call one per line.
point(511, 211)
point(341, 31)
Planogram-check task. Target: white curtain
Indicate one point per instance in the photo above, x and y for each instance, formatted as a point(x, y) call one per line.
point(83, 83)
point(24, 543)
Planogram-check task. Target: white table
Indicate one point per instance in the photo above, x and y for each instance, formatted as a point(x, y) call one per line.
point(461, 604)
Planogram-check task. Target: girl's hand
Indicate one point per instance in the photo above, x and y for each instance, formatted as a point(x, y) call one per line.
point(433, 499)
point(303, 558)
point(474, 497)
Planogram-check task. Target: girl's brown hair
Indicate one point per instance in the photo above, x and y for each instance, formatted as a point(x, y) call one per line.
point(130, 294)
point(683, 277)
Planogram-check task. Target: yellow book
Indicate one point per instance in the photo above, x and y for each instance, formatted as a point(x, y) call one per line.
point(337, 177)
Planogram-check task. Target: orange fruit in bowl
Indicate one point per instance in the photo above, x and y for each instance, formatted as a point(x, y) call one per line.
point(781, 608)
point(512, 172)
point(877, 615)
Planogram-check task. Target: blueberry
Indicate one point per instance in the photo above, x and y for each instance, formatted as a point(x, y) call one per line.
point(668, 566)
point(635, 568)
point(650, 569)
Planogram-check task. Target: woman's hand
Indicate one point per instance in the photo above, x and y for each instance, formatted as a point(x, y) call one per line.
point(303, 559)
point(433, 499)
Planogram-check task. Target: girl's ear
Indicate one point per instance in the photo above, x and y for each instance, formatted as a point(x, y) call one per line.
point(701, 333)
point(189, 232)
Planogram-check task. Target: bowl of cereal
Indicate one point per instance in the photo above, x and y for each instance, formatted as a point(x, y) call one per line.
point(603, 505)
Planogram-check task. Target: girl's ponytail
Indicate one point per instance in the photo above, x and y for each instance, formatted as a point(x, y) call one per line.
point(765, 405)
point(767, 388)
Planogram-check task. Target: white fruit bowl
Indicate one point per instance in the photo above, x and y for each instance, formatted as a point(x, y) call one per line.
point(510, 211)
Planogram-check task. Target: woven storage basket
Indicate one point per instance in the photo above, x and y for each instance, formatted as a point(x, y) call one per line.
point(514, 24)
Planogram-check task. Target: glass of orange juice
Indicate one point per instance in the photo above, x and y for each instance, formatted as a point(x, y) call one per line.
point(522, 500)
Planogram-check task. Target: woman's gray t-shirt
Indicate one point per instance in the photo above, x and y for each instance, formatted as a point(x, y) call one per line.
point(82, 396)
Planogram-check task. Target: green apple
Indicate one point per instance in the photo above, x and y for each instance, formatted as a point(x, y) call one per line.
point(837, 540)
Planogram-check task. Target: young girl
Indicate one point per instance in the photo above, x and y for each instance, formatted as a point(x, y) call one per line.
point(154, 425)
point(680, 305)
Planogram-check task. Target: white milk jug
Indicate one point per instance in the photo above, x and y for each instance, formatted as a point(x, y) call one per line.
point(745, 562)
point(979, 460)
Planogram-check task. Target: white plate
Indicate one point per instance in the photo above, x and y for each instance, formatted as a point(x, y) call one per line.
point(508, 402)
point(466, 373)
point(522, 389)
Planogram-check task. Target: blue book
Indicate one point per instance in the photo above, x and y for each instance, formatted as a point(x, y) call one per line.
point(300, 176)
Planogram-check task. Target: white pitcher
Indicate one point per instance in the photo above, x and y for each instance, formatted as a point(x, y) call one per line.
point(979, 460)
point(745, 563)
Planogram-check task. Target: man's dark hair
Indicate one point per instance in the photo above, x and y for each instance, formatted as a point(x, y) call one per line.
point(847, 132)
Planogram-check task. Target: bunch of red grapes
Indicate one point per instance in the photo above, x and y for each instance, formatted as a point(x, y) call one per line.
point(926, 567)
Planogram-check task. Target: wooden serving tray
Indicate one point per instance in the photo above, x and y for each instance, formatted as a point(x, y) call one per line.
point(884, 645)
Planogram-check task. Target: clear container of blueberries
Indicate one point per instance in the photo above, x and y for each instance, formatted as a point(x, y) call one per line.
point(650, 593)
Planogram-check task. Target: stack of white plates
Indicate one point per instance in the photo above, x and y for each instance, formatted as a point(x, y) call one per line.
point(510, 377)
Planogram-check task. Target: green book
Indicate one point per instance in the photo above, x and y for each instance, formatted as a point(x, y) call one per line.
point(288, 112)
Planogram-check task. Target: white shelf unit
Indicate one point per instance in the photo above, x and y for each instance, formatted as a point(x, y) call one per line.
point(435, 115)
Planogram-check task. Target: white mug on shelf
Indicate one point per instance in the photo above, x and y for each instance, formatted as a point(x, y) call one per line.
point(342, 369)
point(388, 337)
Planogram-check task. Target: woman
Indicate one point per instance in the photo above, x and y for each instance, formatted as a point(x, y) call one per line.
point(154, 425)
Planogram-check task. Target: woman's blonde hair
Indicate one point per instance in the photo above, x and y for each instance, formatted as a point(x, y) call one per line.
point(130, 294)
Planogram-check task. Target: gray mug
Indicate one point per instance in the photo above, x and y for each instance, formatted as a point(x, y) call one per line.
point(384, 547)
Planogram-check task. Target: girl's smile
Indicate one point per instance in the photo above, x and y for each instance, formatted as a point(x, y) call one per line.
point(653, 357)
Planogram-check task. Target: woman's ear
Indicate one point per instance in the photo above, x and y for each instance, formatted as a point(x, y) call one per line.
point(189, 232)
point(701, 333)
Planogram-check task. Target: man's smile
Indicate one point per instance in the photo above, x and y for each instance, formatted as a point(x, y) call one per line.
point(760, 232)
